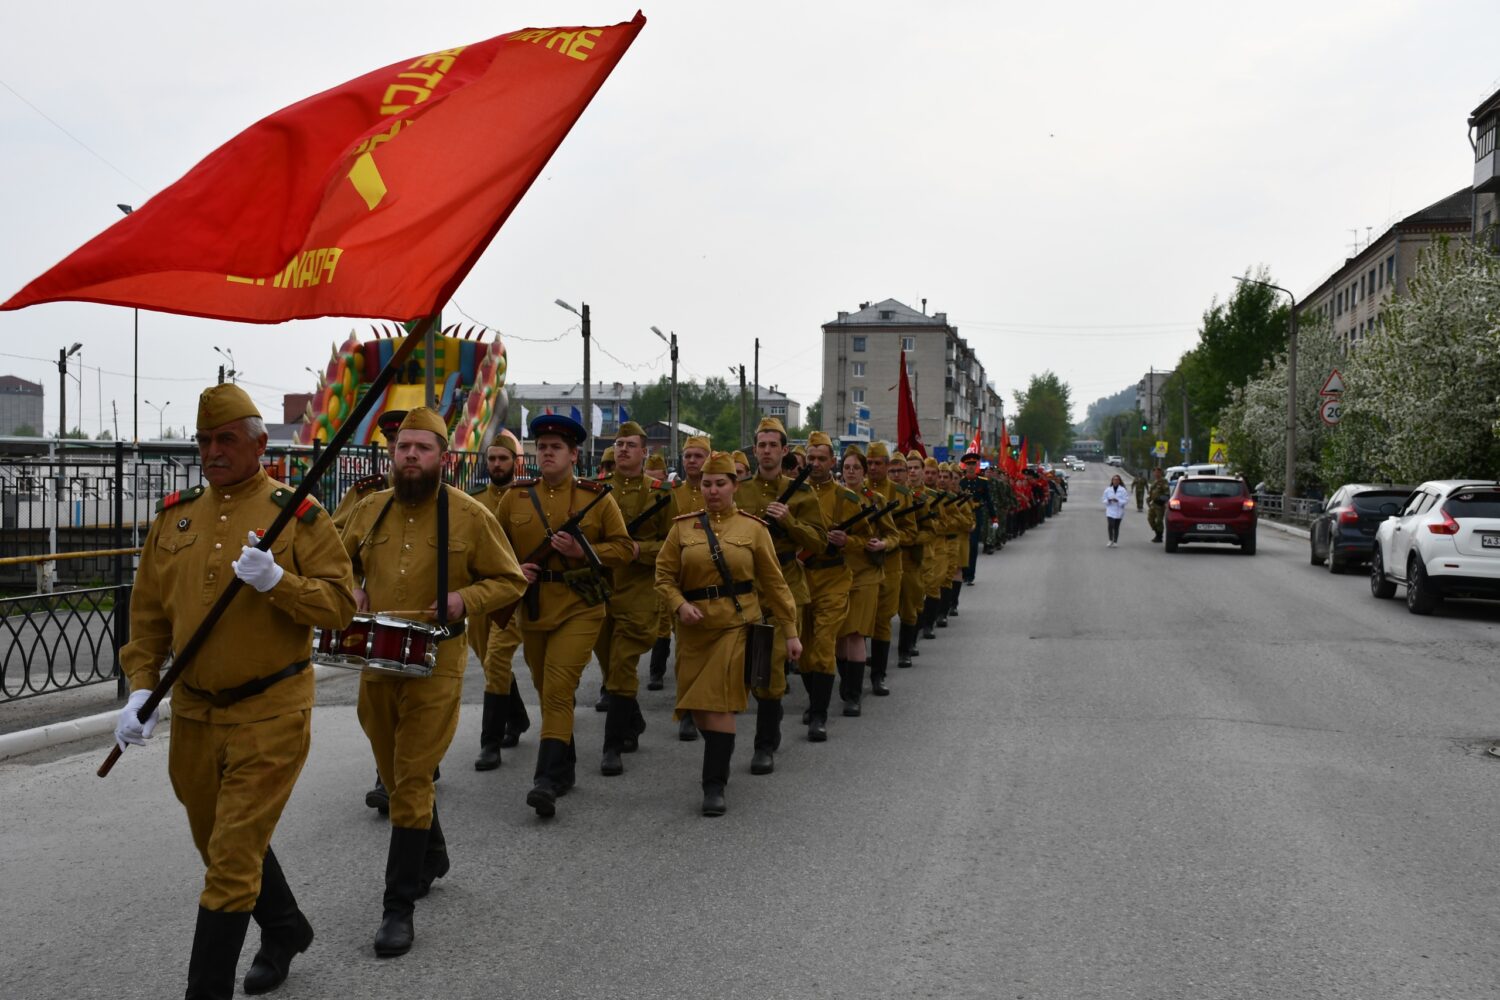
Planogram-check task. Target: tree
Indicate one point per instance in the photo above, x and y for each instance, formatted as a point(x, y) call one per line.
point(25, 431)
point(1043, 415)
point(1097, 418)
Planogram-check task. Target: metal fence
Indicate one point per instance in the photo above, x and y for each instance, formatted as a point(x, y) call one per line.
point(68, 639)
point(1300, 510)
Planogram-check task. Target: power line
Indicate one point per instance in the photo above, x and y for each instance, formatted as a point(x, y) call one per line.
point(512, 336)
point(95, 153)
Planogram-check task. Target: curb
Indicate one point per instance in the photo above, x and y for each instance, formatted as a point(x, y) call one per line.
point(90, 726)
point(1287, 529)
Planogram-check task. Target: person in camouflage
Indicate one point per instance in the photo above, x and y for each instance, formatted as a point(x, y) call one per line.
point(1156, 502)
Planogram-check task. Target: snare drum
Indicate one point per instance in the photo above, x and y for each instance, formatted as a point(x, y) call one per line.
point(380, 644)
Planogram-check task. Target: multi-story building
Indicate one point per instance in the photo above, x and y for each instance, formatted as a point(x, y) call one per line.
point(1353, 298)
point(20, 406)
point(1483, 125)
point(861, 369)
point(1148, 396)
point(775, 403)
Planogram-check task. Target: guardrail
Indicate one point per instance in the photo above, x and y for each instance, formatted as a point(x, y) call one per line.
point(1301, 510)
point(60, 641)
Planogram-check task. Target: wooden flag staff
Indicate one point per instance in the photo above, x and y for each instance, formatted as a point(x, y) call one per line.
point(325, 462)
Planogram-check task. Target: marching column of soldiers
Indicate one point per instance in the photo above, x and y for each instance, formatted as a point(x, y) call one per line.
point(755, 567)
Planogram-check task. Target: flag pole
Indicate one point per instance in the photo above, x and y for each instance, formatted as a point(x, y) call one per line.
point(324, 462)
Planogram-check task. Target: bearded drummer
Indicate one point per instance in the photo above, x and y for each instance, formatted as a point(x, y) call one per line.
point(393, 539)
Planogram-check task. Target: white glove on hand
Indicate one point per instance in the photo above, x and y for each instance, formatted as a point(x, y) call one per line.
point(256, 567)
point(128, 729)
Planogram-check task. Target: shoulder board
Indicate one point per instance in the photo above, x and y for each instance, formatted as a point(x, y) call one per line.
point(804, 488)
point(181, 496)
point(660, 484)
point(849, 494)
point(684, 517)
point(754, 518)
point(592, 485)
point(373, 481)
point(902, 490)
point(307, 510)
point(677, 483)
point(522, 482)
point(479, 492)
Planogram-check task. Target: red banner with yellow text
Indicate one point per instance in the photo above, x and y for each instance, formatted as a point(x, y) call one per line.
point(371, 199)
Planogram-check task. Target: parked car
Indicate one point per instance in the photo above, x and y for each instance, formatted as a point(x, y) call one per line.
point(1211, 509)
point(1114, 460)
point(1343, 533)
point(1443, 542)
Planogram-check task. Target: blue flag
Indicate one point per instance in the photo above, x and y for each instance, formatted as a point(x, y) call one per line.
point(573, 412)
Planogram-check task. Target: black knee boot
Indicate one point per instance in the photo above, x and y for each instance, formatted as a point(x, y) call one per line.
point(929, 617)
point(491, 732)
point(634, 728)
point(767, 735)
point(617, 724)
point(543, 794)
point(718, 748)
point(819, 693)
point(403, 883)
point(659, 654)
point(942, 607)
point(217, 940)
point(435, 859)
point(906, 641)
point(953, 599)
point(854, 687)
point(517, 719)
point(284, 931)
point(842, 666)
point(880, 654)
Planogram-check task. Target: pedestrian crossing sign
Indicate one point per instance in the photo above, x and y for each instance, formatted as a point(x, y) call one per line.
point(1219, 453)
point(1160, 451)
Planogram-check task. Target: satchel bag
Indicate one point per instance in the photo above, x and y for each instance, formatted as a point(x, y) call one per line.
point(759, 636)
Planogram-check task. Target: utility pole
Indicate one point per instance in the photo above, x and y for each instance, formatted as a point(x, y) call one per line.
point(429, 349)
point(221, 374)
point(1186, 438)
point(135, 378)
point(672, 343)
point(741, 370)
point(588, 391)
point(756, 411)
point(62, 389)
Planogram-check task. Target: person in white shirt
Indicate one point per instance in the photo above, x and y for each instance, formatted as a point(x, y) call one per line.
point(1115, 498)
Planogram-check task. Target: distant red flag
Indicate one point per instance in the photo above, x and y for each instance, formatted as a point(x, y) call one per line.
point(1022, 461)
point(908, 432)
point(976, 444)
point(371, 199)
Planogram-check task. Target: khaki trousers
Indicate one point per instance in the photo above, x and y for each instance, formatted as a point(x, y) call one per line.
point(409, 721)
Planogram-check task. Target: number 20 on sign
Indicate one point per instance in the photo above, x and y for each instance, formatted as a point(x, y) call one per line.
point(1331, 410)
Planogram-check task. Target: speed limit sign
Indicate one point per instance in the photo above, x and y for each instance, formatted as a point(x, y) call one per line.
point(1331, 410)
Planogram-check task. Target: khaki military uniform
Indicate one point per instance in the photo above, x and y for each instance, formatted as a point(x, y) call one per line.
point(893, 563)
point(362, 488)
point(632, 612)
point(1156, 503)
point(829, 581)
point(711, 652)
point(410, 721)
point(915, 552)
point(803, 529)
point(559, 633)
point(495, 647)
point(233, 762)
point(866, 568)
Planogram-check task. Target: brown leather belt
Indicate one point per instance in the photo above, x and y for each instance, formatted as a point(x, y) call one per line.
point(827, 562)
point(717, 591)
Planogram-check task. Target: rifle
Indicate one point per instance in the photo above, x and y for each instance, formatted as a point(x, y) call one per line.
point(645, 515)
point(786, 494)
point(501, 618)
point(843, 525)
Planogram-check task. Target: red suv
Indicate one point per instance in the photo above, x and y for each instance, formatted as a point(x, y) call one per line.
point(1211, 509)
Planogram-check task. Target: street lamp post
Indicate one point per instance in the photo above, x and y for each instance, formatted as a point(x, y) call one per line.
point(159, 410)
point(588, 392)
point(62, 389)
point(1289, 489)
point(673, 345)
point(234, 369)
point(135, 377)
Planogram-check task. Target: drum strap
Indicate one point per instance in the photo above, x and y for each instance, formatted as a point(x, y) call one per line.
point(371, 533)
point(442, 556)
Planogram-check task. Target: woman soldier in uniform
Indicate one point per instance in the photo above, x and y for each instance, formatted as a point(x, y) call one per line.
point(865, 558)
point(712, 616)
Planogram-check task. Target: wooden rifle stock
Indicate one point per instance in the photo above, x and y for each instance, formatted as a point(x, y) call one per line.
point(501, 618)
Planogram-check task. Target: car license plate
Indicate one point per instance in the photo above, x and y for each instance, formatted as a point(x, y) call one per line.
point(1210, 527)
point(1489, 541)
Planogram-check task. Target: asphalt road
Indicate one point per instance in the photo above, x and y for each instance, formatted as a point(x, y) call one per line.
point(1117, 774)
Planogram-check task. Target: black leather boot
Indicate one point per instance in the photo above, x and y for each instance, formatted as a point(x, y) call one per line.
point(718, 748)
point(880, 655)
point(855, 688)
point(954, 591)
point(842, 666)
point(687, 730)
point(906, 638)
point(942, 607)
point(543, 794)
point(659, 653)
point(637, 726)
point(284, 931)
point(617, 722)
point(491, 732)
point(602, 704)
point(403, 882)
point(435, 859)
point(820, 691)
point(767, 735)
point(217, 940)
point(517, 719)
point(378, 798)
point(566, 774)
point(929, 617)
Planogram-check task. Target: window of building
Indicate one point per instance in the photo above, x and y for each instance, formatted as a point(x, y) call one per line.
point(887, 314)
point(859, 395)
point(859, 345)
point(911, 369)
point(778, 409)
point(1390, 268)
point(908, 343)
point(1372, 281)
point(1485, 144)
point(859, 369)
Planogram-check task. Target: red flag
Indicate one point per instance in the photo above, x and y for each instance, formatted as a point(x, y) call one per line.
point(908, 432)
point(1022, 462)
point(976, 444)
point(371, 199)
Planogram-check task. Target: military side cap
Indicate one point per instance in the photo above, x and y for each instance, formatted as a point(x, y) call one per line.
point(567, 428)
point(878, 450)
point(915, 456)
point(817, 438)
point(741, 458)
point(853, 449)
point(801, 449)
point(423, 419)
point(389, 422)
point(719, 463)
point(222, 404)
point(505, 439)
point(930, 463)
point(609, 454)
point(631, 429)
point(770, 424)
point(698, 441)
point(656, 462)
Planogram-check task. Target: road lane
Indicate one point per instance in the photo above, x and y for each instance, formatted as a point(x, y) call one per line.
point(1118, 773)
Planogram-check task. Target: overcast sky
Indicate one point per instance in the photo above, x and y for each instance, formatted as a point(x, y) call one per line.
point(1072, 184)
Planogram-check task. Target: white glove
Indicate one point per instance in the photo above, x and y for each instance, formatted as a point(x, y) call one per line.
point(128, 729)
point(257, 567)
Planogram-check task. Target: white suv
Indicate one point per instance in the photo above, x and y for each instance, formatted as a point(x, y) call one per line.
point(1444, 542)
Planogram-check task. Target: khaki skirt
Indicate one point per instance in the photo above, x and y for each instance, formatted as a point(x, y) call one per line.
point(710, 669)
point(863, 602)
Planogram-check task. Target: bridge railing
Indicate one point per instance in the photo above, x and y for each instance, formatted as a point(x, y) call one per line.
point(1301, 510)
point(62, 640)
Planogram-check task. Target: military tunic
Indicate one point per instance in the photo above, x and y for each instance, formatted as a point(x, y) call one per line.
point(362, 488)
point(1156, 503)
point(559, 632)
point(803, 529)
point(828, 582)
point(866, 568)
point(631, 613)
point(495, 647)
point(233, 766)
point(893, 564)
point(410, 721)
point(914, 552)
point(711, 652)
